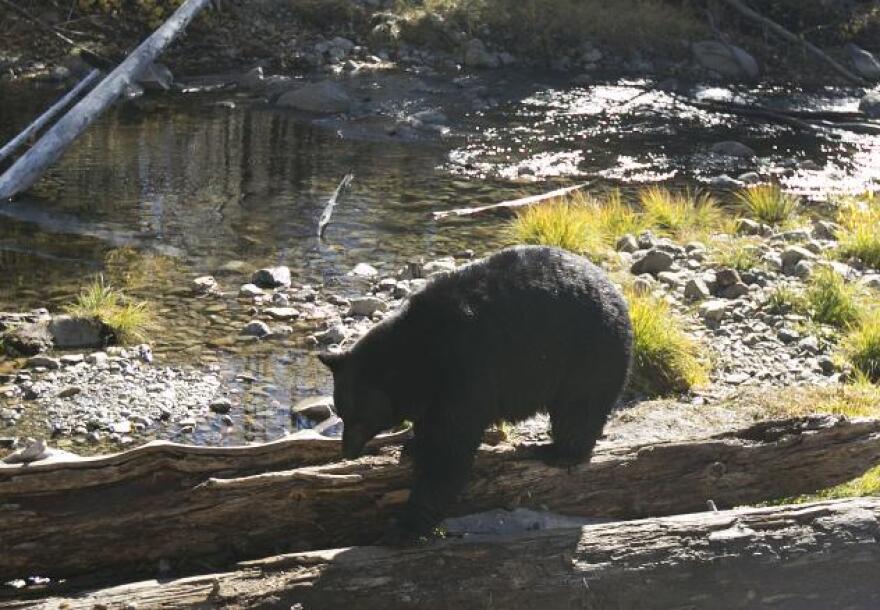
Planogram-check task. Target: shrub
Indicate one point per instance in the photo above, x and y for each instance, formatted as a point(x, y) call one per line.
point(859, 236)
point(664, 358)
point(828, 299)
point(769, 204)
point(861, 346)
point(128, 319)
point(680, 214)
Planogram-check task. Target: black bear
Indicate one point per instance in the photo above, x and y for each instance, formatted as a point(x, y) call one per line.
point(527, 329)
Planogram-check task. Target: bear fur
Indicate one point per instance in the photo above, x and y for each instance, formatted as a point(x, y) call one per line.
point(524, 330)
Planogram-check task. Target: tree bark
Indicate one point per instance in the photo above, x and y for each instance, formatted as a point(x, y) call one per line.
point(803, 557)
point(30, 166)
point(125, 516)
point(507, 207)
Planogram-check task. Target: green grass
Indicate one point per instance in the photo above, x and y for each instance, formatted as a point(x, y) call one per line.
point(784, 299)
point(769, 204)
point(665, 359)
point(562, 224)
point(829, 299)
point(682, 215)
point(129, 320)
point(860, 346)
point(741, 254)
point(859, 236)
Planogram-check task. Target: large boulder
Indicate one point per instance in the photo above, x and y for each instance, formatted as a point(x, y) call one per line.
point(69, 332)
point(863, 62)
point(271, 277)
point(28, 339)
point(725, 59)
point(870, 104)
point(325, 97)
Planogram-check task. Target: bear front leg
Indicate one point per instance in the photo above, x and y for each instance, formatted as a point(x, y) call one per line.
point(443, 455)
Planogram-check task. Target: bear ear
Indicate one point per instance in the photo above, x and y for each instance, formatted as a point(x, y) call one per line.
point(332, 360)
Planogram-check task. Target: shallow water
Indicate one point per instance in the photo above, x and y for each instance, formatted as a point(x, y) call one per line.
point(170, 188)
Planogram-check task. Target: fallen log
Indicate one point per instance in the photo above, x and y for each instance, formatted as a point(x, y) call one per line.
point(784, 33)
point(49, 148)
point(188, 522)
point(47, 116)
point(331, 203)
point(801, 557)
point(507, 207)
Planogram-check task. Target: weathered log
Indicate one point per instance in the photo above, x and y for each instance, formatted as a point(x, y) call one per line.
point(784, 33)
point(49, 148)
point(195, 519)
point(802, 557)
point(47, 116)
point(507, 207)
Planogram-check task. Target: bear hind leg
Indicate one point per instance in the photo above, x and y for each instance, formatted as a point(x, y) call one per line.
point(576, 424)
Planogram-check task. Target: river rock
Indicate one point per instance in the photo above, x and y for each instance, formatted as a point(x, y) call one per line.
point(727, 60)
point(653, 262)
point(696, 290)
point(735, 291)
point(44, 362)
point(713, 311)
point(871, 281)
point(205, 284)
point(732, 148)
point(825, 229)
point(97, 358)
point(255, 328)
point(476, 55)
point(863, 62)
point(792, 255)
point(272, 277)
point(746, 226)
point(72, 359)
point(282, 313)
point(627, 243)
point(250, 290)
point(220, 405)
point(334, 335)
point(870, 104)
point(363, 270)
point(74, 333)
point(316, 408)
point(325, 97)
point(367, 306)
point(726, 277)
point(29, 339)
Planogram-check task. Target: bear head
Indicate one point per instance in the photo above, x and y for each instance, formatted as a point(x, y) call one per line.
point(365, 408)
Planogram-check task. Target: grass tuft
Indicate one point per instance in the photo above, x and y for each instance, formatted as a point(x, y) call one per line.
point(562, 224)
point(128, 319)
point(859, 236)
point(741, 254)
point(769, 204)
point(679, 214)
point(829, 299)
point(664, 358)
point(860, 346)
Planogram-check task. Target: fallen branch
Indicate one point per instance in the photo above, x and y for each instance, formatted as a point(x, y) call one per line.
point(823, 555)
point(331, 203)
point(207, 518)
point(47, 116)
point(784, 33)
point(30, 166)
point(507, 207)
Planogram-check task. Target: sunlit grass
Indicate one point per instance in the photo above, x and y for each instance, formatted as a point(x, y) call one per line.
point(859, 236)
point(681, 214)
point(784, 299)
point(769, 204)
point(665, 359)
point(563, 224)
point(829, 299)
point(860, 346)
point(129, 320)
point(741, 254)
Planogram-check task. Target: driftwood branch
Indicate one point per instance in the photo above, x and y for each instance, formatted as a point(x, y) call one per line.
point(784, 33)
point(331, 203)
point(210, 514)
point(507, 207)
point(807, 557)
point(30, 166)
point(47, 116)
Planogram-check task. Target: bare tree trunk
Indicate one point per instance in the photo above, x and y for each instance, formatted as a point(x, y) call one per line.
point(116, 516)
point(30, 166)
point(808, 557)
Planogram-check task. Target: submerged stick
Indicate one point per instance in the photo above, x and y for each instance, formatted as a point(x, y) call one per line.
point(331, 203)
point(47, 116)
point(508, 206)
point(30, 166)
